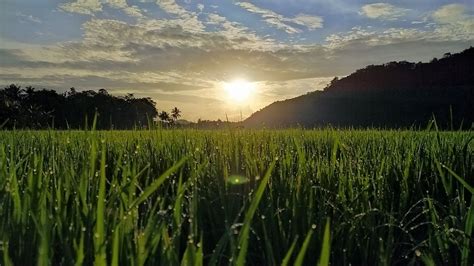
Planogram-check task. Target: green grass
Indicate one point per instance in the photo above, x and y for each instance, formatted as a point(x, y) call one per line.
point(253, 197)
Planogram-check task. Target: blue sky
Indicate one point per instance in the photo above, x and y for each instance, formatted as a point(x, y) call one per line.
point(182, 52)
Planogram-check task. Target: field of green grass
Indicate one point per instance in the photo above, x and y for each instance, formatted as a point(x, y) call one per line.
point(253, 197)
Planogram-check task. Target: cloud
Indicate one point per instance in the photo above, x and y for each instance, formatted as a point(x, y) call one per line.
point(311, 22)
point(30, 18)
point(370, 37)
point(284, 23)
point(453, 22)
point(448, 24)
point(450, 13)
point(90, 7)
point(200, 7)
point(171, 7)
point(85, 7)
point(383, 11)
point(186, 19)
point(132, 11)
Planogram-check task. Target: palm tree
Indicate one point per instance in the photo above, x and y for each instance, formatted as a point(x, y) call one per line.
point(14, 92)
point(164, 116)
point(175, 113)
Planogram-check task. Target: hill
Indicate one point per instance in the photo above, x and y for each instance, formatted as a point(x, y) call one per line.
point(392, 95)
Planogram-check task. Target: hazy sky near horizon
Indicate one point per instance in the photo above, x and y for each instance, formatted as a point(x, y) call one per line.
point(181, 52)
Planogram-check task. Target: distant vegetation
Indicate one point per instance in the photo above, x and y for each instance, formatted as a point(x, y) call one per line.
point(396, 94)
point(36, 109)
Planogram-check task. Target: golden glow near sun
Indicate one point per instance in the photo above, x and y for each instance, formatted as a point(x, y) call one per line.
point(239, 91)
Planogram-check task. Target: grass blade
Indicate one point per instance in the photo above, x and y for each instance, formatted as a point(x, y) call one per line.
point(287, 257)
point(99, 236)
point(157, 183)
point(326, 248)
point(244, 234)
point(460, 179)
point(468, 233)
point(300, 258)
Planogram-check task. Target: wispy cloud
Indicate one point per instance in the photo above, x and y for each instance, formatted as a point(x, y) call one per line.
point(451, 13)
point(29, 18)
point(90, 7)
point(187, 19)
point(383, 11)
point(132, 11)
point(284, 23)
point(454, 22)
point(85, 7)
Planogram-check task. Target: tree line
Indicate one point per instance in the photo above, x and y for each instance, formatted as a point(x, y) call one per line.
point(30, 108)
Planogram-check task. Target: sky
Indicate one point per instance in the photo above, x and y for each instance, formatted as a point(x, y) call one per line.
point(183, 53)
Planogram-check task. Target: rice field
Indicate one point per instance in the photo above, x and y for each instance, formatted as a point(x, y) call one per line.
point(236, 197)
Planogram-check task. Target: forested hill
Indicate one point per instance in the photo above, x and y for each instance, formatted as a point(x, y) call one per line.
point(392, 95)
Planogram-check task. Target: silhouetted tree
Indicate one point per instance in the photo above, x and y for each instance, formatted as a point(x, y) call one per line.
point(164, 116)
point(175, 113)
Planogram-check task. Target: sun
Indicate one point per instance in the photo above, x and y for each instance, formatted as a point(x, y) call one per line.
point(239, 90)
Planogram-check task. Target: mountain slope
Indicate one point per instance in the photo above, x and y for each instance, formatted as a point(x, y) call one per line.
point(396, 94)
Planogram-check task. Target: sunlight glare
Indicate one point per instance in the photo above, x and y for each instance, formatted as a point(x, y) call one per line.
point(239, 90)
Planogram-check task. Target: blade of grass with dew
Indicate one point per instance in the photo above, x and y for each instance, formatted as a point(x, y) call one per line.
point(301, 254)
point(6, 257)
point(287, 257)
point(326, 247)
point(157, 183)
point(427, 260)
point(244, 234)
point(468, 234)
point(99, 235)
point(79, 251)
point(460, 179)
point(116, 247)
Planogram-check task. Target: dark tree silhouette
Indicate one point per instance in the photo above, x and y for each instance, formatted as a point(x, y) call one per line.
point(164, 117)
point(35, 109)
point(175, 113)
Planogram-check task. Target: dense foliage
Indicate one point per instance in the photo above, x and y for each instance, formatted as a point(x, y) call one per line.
point(34, 109)
point(165, 197)
point(393, 95)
